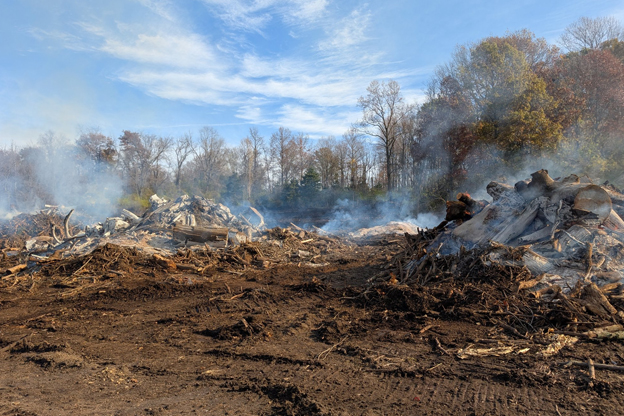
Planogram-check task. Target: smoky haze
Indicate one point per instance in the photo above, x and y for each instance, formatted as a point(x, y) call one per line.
point(56, 173)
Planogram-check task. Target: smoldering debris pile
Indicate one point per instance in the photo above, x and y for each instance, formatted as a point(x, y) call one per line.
point(567, 230)
point(165, 226)
point(543, 253)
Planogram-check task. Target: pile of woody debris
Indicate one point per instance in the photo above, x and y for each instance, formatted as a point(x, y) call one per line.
point(163, 228)
point(567, 230)
point(544, 253)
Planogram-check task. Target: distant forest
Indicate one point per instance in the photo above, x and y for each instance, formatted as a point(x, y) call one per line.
point(496, 107)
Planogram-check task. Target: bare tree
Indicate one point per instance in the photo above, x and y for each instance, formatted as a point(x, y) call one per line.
point(354, 146)
point(327, 161)
point(247, 160)
point(210, 155)
point(301, 150)
point(588, 33)
point(383, 112)
point(182, 149)
point(282, 153)
point(258, 171)
point(141, 157)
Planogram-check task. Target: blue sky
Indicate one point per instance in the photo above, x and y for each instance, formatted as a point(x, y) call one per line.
point(172, 66)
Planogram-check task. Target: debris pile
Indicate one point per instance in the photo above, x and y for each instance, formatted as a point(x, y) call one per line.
point(197, 211)
point(165, 226)
point(565, 230)
point(15, 232)
point(544, 253)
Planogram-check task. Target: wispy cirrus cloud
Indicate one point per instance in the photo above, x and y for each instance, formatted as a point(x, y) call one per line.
point(163, 8)
point(174, 50)
point(349, 32)
point(63, 38)
point(254, 15)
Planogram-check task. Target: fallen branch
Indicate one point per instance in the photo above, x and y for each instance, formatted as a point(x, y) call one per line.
point(599, 366)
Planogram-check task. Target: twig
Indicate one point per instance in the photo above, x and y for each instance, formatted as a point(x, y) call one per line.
point(426, 328)
point(592, 369)
point(441, 348)
point(434, 367)
point(510, 329)
point(324, 353)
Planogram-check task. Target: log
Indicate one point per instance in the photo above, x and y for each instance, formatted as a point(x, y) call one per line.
point(496, 190)
point(541, 182)
point(514, 226)
point(191, 221)
point(487, 223)
point(614, 222)
point(473, 205)
point(165, 262)
point(477, 230)
point(16, 269)
point(596, 302)
point(594, 199)
point(541, 234)
point(538, 265)
point(199, 235)
point(131, 216)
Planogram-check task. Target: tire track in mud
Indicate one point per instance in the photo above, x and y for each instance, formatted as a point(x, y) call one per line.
point(481, 397)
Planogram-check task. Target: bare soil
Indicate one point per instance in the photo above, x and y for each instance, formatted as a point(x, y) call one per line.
point(116, 334)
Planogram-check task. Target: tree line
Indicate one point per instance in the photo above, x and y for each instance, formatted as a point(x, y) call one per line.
point(497, 106)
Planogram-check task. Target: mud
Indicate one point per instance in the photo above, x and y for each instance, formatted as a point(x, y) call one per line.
point(115, 333)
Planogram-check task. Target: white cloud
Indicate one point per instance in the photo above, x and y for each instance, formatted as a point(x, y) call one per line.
point(244, 15)
point(349, 32)
point(66, 39)
point(254, 15)
point(297, 11)
point(311, 119)
point(163, 8)
point(175, 50)
point(251, 113)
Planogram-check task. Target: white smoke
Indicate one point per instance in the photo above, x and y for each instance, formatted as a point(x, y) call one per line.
point(57, 174)
point(350, 215)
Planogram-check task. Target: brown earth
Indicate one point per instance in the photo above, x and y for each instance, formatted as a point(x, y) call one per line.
point(115, 333)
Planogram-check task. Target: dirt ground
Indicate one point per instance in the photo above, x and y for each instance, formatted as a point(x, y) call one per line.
point(117, 334)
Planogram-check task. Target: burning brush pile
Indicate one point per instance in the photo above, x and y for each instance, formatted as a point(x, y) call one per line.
point(544, 253)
